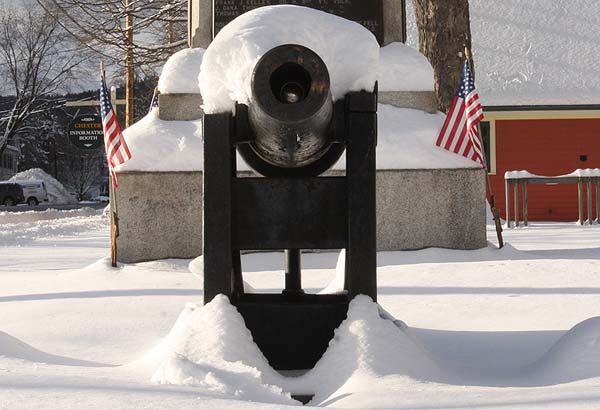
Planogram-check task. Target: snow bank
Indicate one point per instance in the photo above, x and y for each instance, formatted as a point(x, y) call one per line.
point(368, 347)
point(196, 266)
point(229, 61)
point(402, 68)
point(14, 348)
point(180, 73)
point(336, 286)
point(57, 193)
point(407, 139)
point(48, 214)
point(21, 228)
point(575, 356)
point(158, 145)
point(209, 347)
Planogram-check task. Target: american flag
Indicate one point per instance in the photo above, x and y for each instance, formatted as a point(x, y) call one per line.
point(154, 103)
point(117, 151)
point(459, 133)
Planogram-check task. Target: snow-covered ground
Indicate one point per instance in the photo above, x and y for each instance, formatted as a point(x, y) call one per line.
point(484, 329)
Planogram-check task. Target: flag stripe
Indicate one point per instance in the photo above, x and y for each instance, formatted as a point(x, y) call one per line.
point(459, 133)
point(117, 151)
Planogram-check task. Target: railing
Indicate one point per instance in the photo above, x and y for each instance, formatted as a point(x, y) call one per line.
point(581, 177)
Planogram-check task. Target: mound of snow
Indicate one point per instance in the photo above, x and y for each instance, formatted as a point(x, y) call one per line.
point(229, 61)
point(575, 356)
point(47, 215)
point(406, 141)
point(14, 348)
point(21, 228)
point(370, 344)
point(402, 68)
point(158, 145)
point(407, 138)
point(196, 266)
point(180, 73)
point(210, 347)
point(336, 286)
point(57, 193)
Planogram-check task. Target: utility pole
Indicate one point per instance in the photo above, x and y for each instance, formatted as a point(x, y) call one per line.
point(129, 74)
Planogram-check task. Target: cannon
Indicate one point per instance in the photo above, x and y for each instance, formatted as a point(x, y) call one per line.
point(291, 115)
point(290, 133)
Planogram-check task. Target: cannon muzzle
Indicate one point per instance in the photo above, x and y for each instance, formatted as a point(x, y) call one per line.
point(291, 109)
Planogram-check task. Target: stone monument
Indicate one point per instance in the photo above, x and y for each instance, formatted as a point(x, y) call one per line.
point(385, 18)
point(416, 208)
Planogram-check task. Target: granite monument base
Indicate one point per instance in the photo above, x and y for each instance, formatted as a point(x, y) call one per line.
point(160, 213)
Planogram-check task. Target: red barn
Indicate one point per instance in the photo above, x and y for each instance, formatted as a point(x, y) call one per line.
point(537, 70)
point(537, 66)
point(544, 140)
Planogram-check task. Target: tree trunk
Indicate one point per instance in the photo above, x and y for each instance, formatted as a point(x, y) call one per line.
point(444, 31)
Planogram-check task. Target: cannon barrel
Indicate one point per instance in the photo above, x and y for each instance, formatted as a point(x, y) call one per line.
point(291, 109)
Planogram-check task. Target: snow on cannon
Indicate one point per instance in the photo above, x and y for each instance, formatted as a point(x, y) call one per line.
point(291, 132)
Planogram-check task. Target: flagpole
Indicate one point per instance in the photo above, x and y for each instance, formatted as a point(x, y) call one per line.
point(154, 95)
point(492, 203)
point(114, 220)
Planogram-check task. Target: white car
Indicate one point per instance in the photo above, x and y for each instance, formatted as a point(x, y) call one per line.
point(34, 192)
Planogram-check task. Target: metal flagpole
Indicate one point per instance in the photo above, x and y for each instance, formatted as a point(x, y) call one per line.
point(492, 202)
point(114, 219)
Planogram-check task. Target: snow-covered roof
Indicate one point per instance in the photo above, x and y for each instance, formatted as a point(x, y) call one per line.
point(533, 52)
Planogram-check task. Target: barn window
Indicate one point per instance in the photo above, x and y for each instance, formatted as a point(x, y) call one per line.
point(488, 135)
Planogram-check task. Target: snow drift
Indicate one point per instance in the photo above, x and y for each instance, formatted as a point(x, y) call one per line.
point(46, 215)
point(406, 141)
point(402, 68)
point(575, 356)
point(14, 348)
point(158, 145)
point(209, 347)
point(57, 193)
point(180, 73)
point(225, 75)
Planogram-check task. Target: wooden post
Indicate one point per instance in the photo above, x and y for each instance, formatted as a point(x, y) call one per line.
point(525, 203)
point(114, 222)
point(580, 200)
point(113, 98)
point(507, 200)
point(516, 199)
point(495, 212)
point(598, 200)
point(590, 216)
point(129, 72)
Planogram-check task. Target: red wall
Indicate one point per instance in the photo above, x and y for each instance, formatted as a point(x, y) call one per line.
point(545, 147)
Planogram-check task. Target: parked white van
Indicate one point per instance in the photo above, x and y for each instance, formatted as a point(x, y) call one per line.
point(34, 192)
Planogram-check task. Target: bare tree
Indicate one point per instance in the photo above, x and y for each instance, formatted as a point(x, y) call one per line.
point(159, 27)
point(444, 32)
point(82, 172)
point(134, 34)
point(35, 64)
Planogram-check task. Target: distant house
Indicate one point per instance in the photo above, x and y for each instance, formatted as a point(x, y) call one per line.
point(537, 65)
point(9, 161)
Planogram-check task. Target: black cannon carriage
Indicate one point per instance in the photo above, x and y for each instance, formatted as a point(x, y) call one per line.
point(290, 134)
